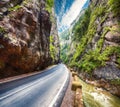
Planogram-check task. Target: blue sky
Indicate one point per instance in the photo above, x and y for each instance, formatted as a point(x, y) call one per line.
point(67, 11)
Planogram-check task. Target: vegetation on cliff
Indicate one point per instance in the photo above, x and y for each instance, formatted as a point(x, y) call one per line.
point(52, 48)
point(115, 6)
point(95, 39)
point(83, 33)
point(49, 5)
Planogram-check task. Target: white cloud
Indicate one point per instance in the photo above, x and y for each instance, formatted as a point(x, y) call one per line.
point(72, 14)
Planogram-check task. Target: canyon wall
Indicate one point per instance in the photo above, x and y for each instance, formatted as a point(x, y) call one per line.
point(94, 50)
point(25, 28)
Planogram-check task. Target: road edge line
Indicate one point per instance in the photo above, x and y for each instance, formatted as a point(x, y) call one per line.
point(55, 102)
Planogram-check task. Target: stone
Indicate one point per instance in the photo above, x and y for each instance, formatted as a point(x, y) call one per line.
point(26, 40)
point(99, 29)
point(113, 37)
point(110, 71)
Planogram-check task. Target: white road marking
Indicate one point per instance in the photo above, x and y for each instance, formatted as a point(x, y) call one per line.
point(57, 95)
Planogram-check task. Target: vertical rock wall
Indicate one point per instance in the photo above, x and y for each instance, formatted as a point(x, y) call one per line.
point(25, 28)
point(97, 55)
point(54, 34)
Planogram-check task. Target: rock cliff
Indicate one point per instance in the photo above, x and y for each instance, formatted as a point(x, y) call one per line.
point(25, 27)
point(96, 40)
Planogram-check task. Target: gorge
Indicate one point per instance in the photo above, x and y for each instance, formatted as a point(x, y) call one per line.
point(91, 45)
point(83, 34)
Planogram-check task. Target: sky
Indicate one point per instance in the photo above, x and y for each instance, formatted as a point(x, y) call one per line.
point(67, 11)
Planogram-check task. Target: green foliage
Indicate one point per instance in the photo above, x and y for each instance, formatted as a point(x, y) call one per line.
point(94, 59)
point(101, 40)
point(51, 39)
point(64, 50)
point(85, 29)
point(80, 49)
point(64, 58)
point(85, 59)
point(14, 8)
point(81, 26)
point(25, 2)
point(65, 46)
point(115, 81)
point(118, 60)
point(115, 6)
point(118, 56)
point(97, 12)
point(52, 48)
point(65, 35)
point(2, 30)
point(49, 5)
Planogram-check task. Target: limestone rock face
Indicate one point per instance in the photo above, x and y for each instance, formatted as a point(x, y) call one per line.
point(98, 54)
point(113, 37)
point(25, 28)
point(56, 41)
point(110, 71)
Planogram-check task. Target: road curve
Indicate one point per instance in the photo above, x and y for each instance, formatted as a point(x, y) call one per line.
point(45, 89)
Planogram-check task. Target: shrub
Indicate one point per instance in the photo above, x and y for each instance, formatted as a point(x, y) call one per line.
point(115, 6)
point(49, 5)
point(2, 30)
point(52, 48)
point(14, 8)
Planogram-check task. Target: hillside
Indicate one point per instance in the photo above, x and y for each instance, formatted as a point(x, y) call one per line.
point(94, 50)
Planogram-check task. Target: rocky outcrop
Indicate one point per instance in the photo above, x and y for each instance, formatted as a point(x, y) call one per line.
point(25, 28)
point(56, 42)
point(97, 56)
point(113, 37)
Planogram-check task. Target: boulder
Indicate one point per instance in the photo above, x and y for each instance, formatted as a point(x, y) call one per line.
point(113, 37)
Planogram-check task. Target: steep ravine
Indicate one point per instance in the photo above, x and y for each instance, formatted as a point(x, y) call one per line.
point(25, 31)
point(94, 47)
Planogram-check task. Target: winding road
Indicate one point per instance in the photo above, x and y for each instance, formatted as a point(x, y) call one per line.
point(44, 89)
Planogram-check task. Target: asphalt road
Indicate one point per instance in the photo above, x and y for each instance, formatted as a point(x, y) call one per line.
point(45, 89)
